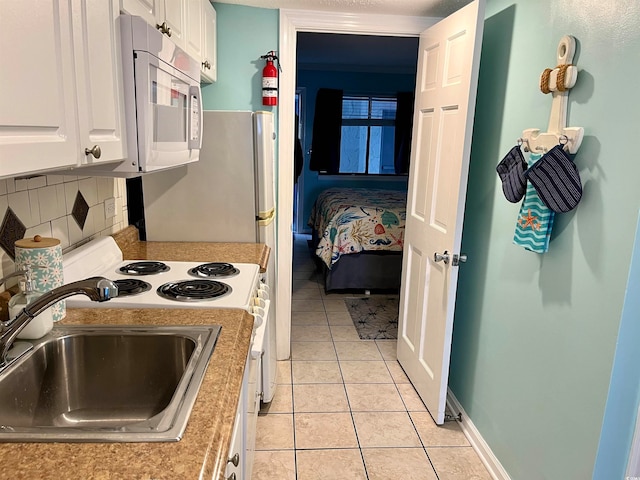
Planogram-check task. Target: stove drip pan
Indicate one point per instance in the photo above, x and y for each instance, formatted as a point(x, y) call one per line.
point(144, 268)
point(131, 286)
point(193, 290)
point(214, 270)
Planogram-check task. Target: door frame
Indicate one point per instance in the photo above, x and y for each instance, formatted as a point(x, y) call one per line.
point(292, 22)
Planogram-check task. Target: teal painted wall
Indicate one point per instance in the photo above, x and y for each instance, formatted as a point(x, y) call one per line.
point(351, 82)
point(243, 34)
point(535, 335)
point(624, 392)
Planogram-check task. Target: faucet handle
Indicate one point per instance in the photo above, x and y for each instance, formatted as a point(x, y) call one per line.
point(107, 289)
point(17, 273)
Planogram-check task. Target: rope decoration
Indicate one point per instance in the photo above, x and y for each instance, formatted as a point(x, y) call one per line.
point(560, 80)
point(544, 81)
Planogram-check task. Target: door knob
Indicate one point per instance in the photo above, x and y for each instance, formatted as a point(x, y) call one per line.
point(95, 151)
point(164, 28)
point(458, 259)
point(441, 257)
point(207, 64)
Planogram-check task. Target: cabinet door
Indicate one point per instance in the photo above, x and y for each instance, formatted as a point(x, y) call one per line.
point(175, 17)
point(37, 107)
point(99, 80)
point(195, 37)
point(147, 9)
point(208, 69)
point(235, 462)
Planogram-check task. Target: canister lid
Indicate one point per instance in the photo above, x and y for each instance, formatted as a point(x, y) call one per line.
point(37, 242)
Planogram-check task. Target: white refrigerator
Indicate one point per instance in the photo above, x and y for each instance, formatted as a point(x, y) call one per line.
point(226, 196)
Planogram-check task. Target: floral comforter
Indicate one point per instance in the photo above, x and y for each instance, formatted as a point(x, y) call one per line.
point(352, 220)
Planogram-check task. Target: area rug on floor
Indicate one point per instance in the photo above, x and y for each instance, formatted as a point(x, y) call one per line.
point(375, 318)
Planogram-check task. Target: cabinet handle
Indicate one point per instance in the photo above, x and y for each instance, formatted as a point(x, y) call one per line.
point(232, 476)
point(164, 28)
point(206, 64)
point(95, 151)
point(235, 460)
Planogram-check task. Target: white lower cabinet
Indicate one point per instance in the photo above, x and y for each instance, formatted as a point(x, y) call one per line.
point(243, 441)
point(236, 449)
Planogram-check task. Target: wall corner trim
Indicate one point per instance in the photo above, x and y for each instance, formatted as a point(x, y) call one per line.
point(490, 461)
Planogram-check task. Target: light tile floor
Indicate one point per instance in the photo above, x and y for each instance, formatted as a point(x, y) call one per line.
point(344, 409)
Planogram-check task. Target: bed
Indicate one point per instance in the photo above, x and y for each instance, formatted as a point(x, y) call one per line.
point(358, 237)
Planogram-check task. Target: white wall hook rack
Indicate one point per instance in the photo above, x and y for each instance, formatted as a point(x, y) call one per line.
point(557, 81)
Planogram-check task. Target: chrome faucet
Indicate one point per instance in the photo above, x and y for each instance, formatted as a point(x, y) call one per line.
point(98, 289)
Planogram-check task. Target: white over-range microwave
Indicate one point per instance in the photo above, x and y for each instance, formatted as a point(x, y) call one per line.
point(163, 104)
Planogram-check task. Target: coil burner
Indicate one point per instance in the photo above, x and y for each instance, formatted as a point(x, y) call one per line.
point(193, 290)
point(131, 286)
point(214, 270)
point(144, 268)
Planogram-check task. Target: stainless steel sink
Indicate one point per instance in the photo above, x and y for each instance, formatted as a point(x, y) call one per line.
point(105, 384)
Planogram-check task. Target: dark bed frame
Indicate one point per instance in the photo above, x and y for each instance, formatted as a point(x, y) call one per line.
point(373, 270)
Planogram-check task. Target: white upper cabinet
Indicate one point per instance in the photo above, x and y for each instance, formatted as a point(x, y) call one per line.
point(99, 81)
point(38, 127)
point(48, 121)
point(194, 37)
point(176, 20)
point(208, 70)
point(150, 10)
point(191, 24)
point(168, 16)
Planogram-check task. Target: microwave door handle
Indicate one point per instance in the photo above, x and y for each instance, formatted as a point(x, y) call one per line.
point(195, 117)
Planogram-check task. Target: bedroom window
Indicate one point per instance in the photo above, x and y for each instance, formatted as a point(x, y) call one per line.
point(361, 134)
point(368, 133)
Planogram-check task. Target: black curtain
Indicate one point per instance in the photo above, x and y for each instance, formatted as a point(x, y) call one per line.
point(404, 124)
point(327, 131)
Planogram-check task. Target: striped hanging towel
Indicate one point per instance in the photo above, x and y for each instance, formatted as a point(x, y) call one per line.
point(535, 220)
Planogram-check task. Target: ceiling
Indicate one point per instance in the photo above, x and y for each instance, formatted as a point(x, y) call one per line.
point(419, 8)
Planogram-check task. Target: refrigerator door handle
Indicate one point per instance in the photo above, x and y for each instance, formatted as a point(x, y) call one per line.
point(265, 218)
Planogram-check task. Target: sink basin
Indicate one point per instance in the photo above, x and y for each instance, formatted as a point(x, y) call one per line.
point(105, 384)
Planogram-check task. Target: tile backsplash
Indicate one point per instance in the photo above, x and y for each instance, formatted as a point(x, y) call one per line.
point(44, 204)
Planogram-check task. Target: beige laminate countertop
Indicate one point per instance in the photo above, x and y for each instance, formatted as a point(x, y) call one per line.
point(133, 249)
point(202, 452)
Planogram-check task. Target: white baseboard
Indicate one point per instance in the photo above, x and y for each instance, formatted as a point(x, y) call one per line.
point(495, 468)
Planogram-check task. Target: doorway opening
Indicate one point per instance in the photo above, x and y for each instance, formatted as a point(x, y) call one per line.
point(293, 22)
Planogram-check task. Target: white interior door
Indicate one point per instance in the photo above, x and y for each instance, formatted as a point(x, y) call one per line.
point(446, 83)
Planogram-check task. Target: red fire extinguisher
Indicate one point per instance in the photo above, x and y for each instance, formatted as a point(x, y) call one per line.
point(270, 79)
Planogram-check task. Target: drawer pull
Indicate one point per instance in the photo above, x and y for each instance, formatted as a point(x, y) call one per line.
point(235, 460)
point(232, 476)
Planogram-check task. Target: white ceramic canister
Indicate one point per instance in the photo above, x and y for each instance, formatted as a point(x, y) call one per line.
point(45, 257)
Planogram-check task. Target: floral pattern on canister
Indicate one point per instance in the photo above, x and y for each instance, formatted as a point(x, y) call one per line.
point(45, 257)
point(352, 220)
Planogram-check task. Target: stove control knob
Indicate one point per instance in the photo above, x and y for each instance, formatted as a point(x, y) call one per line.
point(264, 294)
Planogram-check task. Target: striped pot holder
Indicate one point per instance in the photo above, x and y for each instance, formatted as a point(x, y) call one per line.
point(556, 180)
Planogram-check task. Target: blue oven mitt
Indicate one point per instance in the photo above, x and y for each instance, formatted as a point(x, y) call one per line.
point(511, 171)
